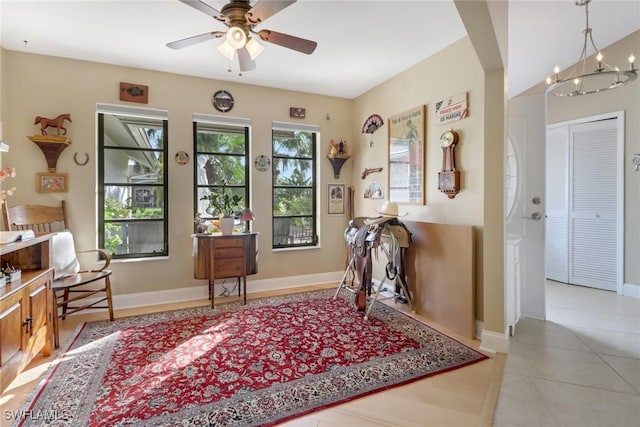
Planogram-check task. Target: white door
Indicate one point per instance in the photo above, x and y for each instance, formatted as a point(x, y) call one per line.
point(525, 221)
point(584, 232)
point(593, 205)
point(557, 212)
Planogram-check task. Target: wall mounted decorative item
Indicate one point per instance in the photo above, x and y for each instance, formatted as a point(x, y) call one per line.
point(338, 156)
point(297, 112)
point(51, 146)
point(407, 156)
point(452, 108)
point(372, 124)
point(335, 197)
point(78, 162)
point(182, 158)
point(222, 101)
point(373, 191)
point(262, 162)
point(636, 162)
point(368, 171)
point(449, 177)
point(52, 182)
point(134, 93)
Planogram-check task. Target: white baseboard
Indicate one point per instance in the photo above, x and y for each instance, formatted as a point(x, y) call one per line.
point(631, 290)
point(494, 342)
point(193, 293)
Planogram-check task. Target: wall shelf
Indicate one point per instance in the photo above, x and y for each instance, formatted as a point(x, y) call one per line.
point(52, 147)
point(337, 161)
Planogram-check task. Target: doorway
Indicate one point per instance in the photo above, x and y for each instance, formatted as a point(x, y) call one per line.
point(527, 132)
point(584, 225)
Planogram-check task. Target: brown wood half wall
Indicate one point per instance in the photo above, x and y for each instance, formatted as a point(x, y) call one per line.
point(441, 271)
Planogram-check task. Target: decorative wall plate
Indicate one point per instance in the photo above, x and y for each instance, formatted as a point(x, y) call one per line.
point(182, 158)
point(262, 162)
point(222, 101)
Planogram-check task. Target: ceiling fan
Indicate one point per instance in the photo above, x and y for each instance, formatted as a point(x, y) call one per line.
point(241, 18)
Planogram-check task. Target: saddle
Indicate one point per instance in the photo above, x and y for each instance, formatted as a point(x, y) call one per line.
point(365, 234)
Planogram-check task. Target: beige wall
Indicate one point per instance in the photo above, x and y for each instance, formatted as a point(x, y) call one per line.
point(48, 86)
point(451, 71)
point(627, 98)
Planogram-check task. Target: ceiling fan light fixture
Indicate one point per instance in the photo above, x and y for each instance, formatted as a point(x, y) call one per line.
point(236, 37)
point(227, 50)
point(254, 48)
point(580, 81)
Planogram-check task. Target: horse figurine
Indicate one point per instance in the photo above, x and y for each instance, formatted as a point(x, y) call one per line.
point(364, 235)
point(56, 123)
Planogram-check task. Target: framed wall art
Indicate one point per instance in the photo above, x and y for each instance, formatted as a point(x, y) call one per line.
point(407, 150)
point(134, 93)
point(373, 191)
point(335, 197)
point(52, 182)
point(297, 112)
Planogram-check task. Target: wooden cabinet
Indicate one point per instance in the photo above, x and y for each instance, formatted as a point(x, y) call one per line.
point(221, 257)
point(26, 307)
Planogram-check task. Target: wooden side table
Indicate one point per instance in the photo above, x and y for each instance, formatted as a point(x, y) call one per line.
point(221, 257)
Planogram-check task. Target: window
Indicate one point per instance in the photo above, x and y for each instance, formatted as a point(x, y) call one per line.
point(294, 186)
point(132, 178)
point(221, 158)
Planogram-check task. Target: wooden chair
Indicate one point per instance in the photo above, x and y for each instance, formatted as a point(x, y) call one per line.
point(69, 278)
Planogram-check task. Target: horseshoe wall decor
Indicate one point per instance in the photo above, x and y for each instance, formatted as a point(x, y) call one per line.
point(86, 159)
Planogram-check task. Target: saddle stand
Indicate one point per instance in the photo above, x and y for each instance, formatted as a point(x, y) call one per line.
point(362, 236)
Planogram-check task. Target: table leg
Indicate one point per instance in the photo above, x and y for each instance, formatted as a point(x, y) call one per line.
point(244, 285)
point(211, 289)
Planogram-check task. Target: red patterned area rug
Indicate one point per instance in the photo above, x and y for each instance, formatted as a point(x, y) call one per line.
point(272, 360)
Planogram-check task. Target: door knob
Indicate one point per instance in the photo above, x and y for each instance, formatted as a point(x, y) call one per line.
point(536, 216)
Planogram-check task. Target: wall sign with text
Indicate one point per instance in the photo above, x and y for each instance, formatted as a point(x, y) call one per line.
point(452, 109)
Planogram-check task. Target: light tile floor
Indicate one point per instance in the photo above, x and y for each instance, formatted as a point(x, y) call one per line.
point(579, 368)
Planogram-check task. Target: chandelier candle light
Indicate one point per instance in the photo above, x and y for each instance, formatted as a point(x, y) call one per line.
point(580, 81)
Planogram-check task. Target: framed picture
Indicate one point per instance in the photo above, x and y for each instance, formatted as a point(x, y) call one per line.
point(134, 93)
point(335, 197)
point(52, 182)
point(407, 156)
point(297, 112)
point(373, 191)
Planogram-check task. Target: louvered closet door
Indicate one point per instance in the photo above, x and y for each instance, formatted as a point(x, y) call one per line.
point(557, 207)
point(592, 204)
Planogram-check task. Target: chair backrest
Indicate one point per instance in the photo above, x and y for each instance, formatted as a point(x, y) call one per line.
point(39, 218)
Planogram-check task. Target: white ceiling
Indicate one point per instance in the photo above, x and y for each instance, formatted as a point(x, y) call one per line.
point(360, 43)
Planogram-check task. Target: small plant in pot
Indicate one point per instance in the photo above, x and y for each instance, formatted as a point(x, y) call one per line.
point(224, 205)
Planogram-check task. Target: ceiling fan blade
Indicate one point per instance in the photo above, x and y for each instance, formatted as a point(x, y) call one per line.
point(288, 41)
point(203, 7)
point(266, 8)
point(245, 61)
point(179, 44)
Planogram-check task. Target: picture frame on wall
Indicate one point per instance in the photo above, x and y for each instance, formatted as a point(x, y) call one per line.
point(407, 156)
point(335, 198)
point(52, 182)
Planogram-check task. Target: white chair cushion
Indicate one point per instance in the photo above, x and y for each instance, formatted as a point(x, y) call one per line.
point(65, 261)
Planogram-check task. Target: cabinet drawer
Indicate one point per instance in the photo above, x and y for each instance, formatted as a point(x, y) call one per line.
point(228, 242)
point(232, 267)
point(229, 253)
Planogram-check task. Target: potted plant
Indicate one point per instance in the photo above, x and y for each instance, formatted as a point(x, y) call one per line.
point(224, 205)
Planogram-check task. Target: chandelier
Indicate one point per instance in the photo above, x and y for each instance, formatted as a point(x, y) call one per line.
point(582, 81)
